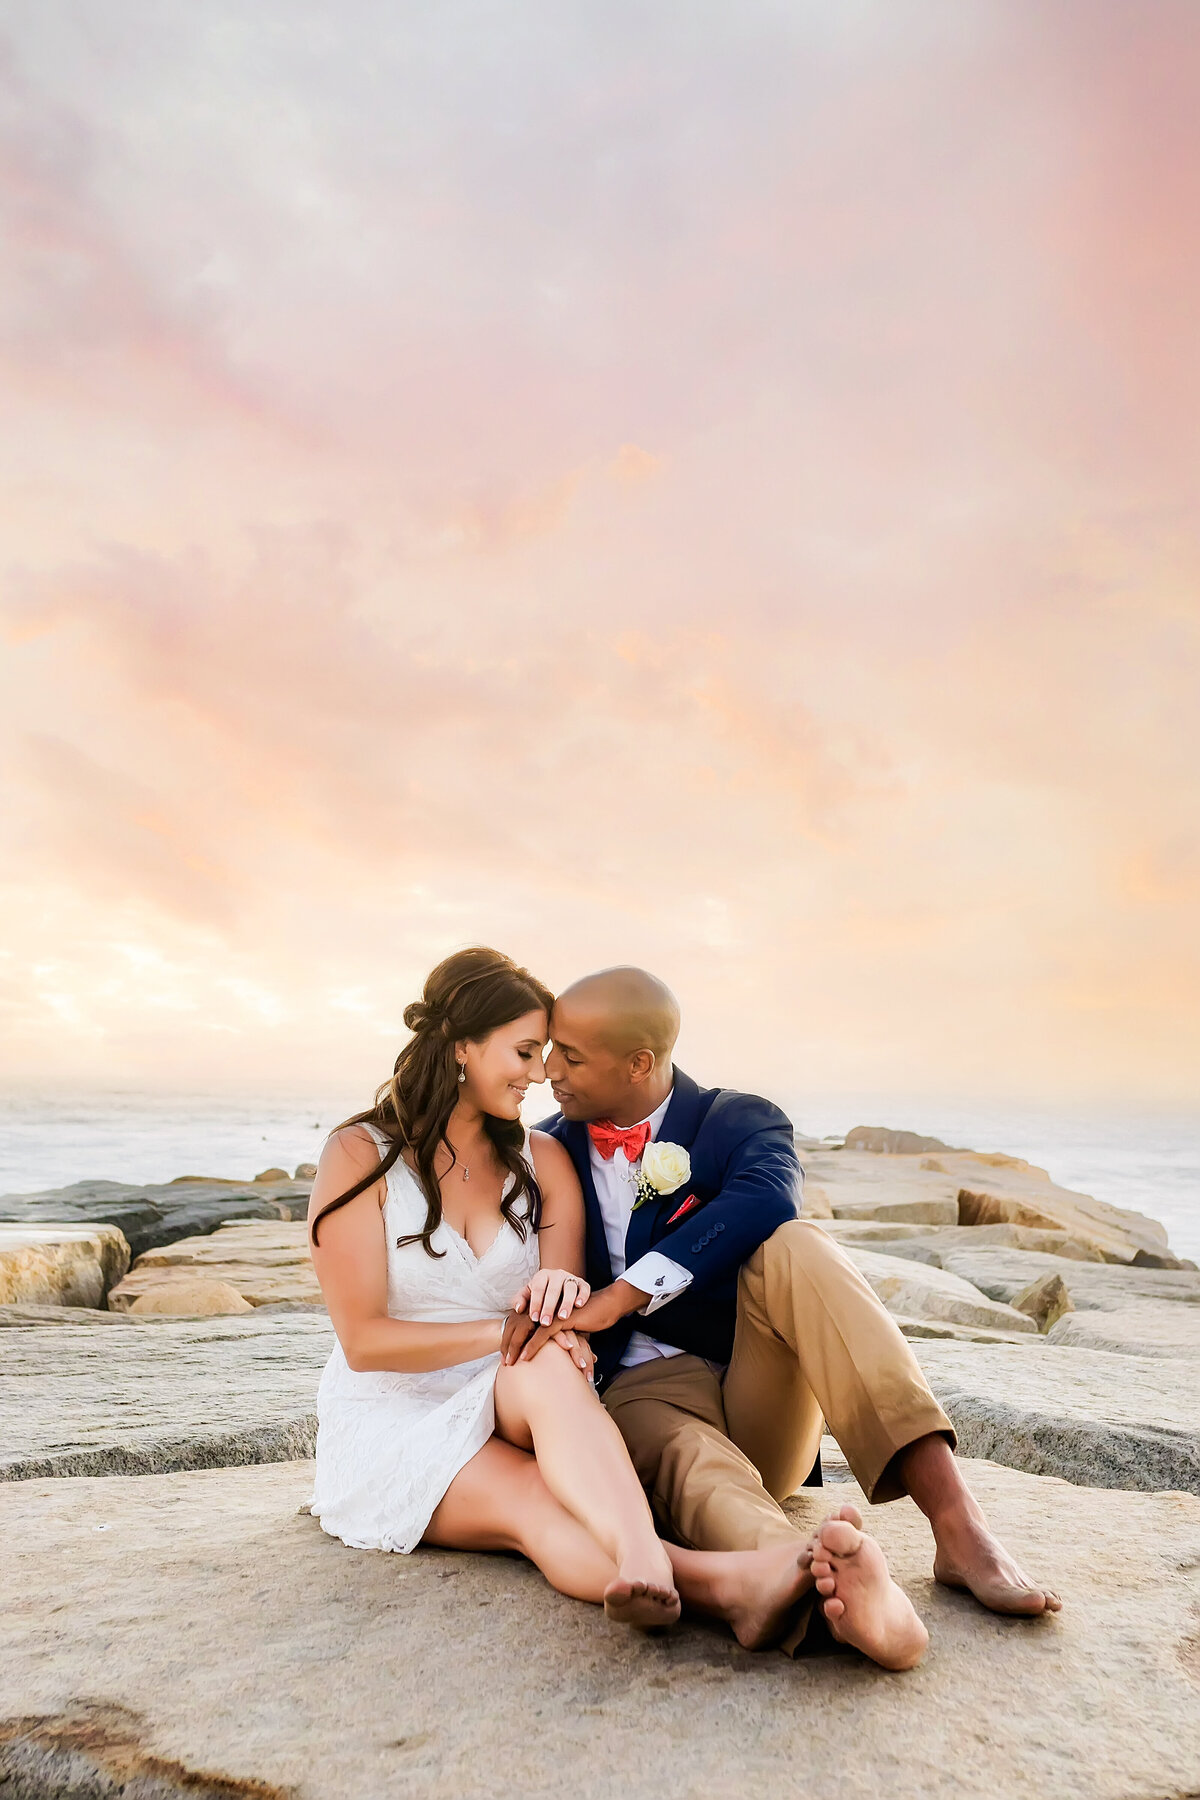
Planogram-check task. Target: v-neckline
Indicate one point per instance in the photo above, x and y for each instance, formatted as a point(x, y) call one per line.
point(477, 1256)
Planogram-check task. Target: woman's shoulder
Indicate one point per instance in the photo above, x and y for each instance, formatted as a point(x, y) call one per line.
point(346, 1156)
point(356, 1143)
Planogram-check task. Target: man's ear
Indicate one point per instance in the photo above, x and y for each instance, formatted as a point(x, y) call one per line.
point(641, 1066)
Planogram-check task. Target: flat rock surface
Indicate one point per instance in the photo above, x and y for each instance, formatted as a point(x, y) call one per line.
point(36, 1314)
point(923, 1243)
point(1091, 1416)
point(138, 1397)
point(921, 1292)
point(263, 1261)
point(1002, 1274)
point(1144, 1328)
point(161, 1212)
point(200, 1619)
point(855, 1184)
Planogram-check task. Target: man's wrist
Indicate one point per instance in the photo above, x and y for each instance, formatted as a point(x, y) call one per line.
point(623, 1297)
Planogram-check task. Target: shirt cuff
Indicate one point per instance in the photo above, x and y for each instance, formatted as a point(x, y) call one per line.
point(659, 1277)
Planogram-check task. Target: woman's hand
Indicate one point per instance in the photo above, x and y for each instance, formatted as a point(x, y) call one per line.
point(578, 1349)
point(552, 1293)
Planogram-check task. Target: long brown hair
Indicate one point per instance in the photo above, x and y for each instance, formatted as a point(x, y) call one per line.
point(469, 995)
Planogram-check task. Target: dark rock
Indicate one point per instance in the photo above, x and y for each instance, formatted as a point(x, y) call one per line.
point(159, 1213)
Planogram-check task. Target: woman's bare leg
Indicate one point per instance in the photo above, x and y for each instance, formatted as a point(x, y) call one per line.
point(499, 1501)
point(547, 1406)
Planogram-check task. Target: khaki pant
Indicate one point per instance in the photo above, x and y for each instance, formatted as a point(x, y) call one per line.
point(814, 1347)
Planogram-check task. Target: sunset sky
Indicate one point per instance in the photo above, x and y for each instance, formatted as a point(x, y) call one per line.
point(708, 486)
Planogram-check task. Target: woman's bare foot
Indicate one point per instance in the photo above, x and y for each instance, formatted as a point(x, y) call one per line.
point(968, 1556)
point(862, 1604)
point(646, 1604)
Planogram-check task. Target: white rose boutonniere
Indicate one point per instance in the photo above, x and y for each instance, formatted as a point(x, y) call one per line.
point(665, 1167)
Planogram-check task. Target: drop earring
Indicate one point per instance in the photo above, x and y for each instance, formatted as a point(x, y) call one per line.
point(462, 1071)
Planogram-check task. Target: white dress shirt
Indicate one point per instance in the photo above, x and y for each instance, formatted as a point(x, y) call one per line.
point(615, 1180)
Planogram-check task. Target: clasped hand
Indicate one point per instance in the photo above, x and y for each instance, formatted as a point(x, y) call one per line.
point(543, 1307)
point(540, 1313)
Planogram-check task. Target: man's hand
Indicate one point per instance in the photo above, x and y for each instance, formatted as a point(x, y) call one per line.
point(523, 1337)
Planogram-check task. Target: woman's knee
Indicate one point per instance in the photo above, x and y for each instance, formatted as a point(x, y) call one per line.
point(549, 1376)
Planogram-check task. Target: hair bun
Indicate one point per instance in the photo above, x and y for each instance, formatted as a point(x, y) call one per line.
point(418, 1014)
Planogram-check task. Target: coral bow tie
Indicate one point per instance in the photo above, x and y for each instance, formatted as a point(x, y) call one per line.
point(609, 1138)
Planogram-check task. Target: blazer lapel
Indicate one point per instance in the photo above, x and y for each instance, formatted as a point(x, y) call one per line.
point(575, 1137)
point(680, 1124)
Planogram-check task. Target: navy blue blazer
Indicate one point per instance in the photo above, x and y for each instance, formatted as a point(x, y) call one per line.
point(747, 1181)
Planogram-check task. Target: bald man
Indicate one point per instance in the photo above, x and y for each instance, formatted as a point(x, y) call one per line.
point(728, 1330)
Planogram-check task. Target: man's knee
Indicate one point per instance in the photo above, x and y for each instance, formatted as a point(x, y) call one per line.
point(797, 1243)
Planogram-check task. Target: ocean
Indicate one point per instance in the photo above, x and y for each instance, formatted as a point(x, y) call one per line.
point(1147, 1161)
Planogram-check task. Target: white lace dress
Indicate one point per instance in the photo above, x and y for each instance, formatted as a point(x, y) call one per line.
point(389, 1445)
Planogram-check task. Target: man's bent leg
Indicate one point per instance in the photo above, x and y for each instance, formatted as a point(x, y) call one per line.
point(703, 1488)
point(705, 1491)
point(814, 1339)
point(801, 1298)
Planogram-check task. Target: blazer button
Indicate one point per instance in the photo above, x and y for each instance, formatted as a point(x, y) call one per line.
point(720, 1227)
point(696, 1248)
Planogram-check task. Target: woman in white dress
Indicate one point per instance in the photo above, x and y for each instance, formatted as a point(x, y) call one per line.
point(429, 1214)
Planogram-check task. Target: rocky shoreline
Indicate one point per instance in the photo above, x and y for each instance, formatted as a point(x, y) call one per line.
point(155, 1341)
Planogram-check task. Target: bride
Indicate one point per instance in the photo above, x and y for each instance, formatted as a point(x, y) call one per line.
point(429, 1214)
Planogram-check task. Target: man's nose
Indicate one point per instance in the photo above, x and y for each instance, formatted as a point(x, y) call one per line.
point(554, 1067)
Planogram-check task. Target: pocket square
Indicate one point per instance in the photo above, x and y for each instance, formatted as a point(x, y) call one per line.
point(687, 1207)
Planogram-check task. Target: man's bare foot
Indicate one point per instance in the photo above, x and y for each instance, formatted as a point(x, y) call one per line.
point(968, 1556)
point(762, 1587)
point(646, 1604)
point(862, 1604)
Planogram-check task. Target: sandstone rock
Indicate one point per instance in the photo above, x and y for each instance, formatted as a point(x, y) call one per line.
point(190, 1298)
point(859, 1185)
point(922, 1292)
point(816, 1201)
point(994, 1189)
point(65, 1265)
point(213, 1628)
point(922, 1243)
point(1144, 1328)
point(140, 1396)
point(264, 1263)
point(883, 1140)
point(306, 1171)
point(157, 1214)
point(273, 1175)
point(1094, 1417)
point(1045, 1300)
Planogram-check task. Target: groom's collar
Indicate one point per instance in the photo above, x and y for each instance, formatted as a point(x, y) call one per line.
point(682, 1120)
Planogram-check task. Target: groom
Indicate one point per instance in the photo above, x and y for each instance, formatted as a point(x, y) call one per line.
point(728, 1330)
